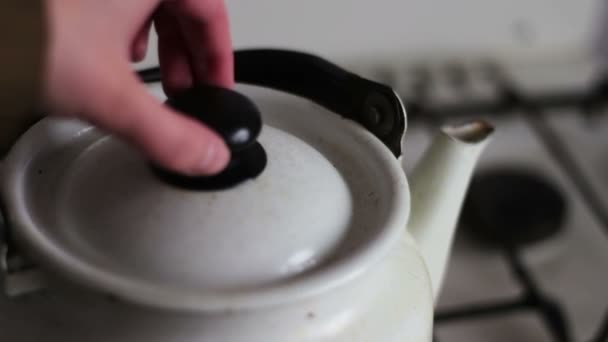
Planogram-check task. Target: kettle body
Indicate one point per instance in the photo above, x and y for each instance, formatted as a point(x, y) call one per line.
point(385, 303)
point(377, 281)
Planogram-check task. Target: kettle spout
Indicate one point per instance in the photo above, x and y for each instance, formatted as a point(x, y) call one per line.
point(438, 186)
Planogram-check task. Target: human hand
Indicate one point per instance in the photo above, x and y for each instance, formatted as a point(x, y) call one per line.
point(89, 75)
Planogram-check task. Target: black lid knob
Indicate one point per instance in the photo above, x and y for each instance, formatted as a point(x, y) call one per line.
point(237, 120)
point(231, 114)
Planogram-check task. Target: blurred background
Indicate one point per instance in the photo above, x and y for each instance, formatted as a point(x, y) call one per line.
point(530, 262)
point(402, 31)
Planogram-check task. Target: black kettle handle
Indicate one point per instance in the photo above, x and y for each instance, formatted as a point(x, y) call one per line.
point(371, 104)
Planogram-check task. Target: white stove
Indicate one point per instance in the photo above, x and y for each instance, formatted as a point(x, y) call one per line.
point(480, 297)
point(570, 266)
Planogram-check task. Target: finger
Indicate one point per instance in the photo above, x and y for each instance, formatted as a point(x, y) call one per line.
point(206, 32)
point(174, 60)
point(123, 106)
point(139, 47)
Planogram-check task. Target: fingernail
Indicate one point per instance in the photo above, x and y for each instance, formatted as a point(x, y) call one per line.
point(215, 158)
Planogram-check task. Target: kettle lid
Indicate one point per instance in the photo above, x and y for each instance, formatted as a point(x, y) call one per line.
point(329, 200)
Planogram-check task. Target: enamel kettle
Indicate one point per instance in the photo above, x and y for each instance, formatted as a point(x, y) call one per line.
point(312, 233)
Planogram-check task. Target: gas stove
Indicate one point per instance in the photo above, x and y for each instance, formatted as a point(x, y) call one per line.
point(530, 256)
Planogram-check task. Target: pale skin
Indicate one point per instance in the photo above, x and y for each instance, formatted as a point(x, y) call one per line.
point(89, 73)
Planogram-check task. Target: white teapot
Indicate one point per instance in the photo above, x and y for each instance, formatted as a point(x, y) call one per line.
point(312, 233)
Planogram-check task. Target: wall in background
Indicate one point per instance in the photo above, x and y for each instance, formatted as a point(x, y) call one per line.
point(409, 29)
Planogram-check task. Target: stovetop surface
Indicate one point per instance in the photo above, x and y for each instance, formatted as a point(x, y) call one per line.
point(557, 130)
point(568, 267)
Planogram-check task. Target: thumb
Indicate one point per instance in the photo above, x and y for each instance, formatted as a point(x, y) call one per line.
point(123, 106)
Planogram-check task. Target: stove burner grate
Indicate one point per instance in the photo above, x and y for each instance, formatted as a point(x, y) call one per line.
point(498, 225)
